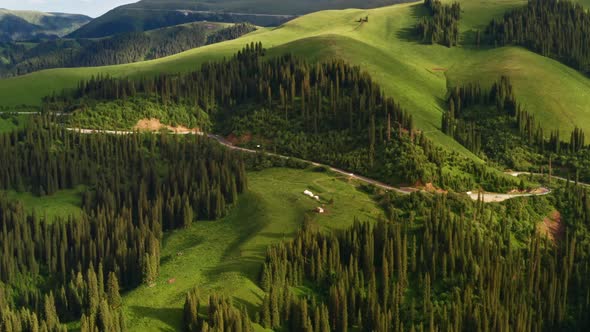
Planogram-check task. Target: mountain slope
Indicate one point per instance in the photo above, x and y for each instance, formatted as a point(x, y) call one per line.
point(118, 49)
point(416, 75)
point(152, 14)
point(26, 25)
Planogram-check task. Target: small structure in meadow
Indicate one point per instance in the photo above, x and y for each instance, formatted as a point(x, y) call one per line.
point(363, 19)
point(310, 194)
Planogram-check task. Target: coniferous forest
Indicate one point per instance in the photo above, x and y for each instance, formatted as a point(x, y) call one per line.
point(491, 123)
point(137, 188)
point(563, 25)
point(442, 264)
point(329, 112)
point(436, 261)
point(313, 189)
point(117, 49)
point(442, 27)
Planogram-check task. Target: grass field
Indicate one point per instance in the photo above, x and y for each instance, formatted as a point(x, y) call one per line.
point(62, 204)
point(226, 255)
point(10, 122)
point(414, 74)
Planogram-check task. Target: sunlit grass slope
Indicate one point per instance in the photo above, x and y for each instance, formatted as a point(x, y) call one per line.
point(226, 255)
point(416, 75)
point(62, 204)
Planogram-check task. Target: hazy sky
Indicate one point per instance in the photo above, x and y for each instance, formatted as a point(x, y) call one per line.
point(92, 8)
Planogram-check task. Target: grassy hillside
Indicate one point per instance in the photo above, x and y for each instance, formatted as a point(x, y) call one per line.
point(11, 122)
point(226, 255)
point(151, 14)
point(416, 75)
point(23, 24)
point(63, 203)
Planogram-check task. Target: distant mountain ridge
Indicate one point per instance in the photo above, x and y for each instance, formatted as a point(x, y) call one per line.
point(152, 14)
point(17, 59)
point(28, 25)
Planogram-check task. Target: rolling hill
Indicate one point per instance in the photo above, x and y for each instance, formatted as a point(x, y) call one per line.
point(416, 75)
point(165, 227)
point(26, 25)
point(152, 14)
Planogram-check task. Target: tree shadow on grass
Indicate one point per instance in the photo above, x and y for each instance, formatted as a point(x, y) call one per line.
point(247, 262)
point(249, 268)
point(442, 103)
point(169, 316)
point(251, 307)
point(186, 242)
point(408, 33)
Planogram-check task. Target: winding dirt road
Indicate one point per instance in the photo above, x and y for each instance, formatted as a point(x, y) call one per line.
point(487, 197)
point(552, 176)
point(376, 183)
point(229, 145)
point(496, 197)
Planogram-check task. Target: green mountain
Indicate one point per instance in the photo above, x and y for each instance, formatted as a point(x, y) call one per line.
point(27, 25)
point(153, 14)
point(401, 168)
point(123, 48)
point(414, 73)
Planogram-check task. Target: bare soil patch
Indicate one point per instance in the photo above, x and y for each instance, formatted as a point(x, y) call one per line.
point(431, 188)
point(237, 140)
point(536, 191)
point(552, 226)
point(156, 125)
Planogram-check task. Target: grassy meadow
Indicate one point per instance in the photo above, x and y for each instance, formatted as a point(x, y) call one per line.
point(11, 122)
point(226, 255)
point(61, 204)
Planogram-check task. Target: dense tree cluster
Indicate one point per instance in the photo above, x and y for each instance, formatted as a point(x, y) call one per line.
point(471, 108)
point(221, 315)
point(118, 49)
point(23, 319)
point(126, 113)
point(556, 28)
point(442, 27)
point(442, 264)
point(82, 294)
point(11, 52)
point(514, 138)
point(137, 187)
point(321, 97)
point(456, 123)
point(326, 112)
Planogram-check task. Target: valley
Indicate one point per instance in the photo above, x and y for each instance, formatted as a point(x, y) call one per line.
point(307, 166)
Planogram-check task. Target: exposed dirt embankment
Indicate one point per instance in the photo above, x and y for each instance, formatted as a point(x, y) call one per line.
point(552, 226)
point(238, 140)
point(536, 191)
point(156, 125)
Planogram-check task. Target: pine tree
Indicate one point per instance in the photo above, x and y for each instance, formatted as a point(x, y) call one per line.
point(113, 296)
